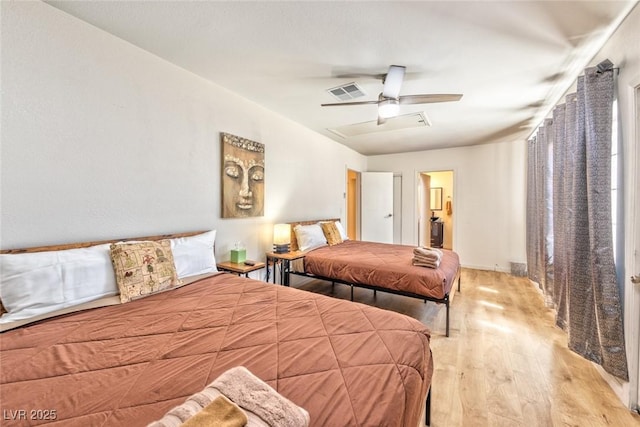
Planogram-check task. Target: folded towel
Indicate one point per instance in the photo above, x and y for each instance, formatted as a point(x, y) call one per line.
point(429, 264)
point(428, 257)
point(220, 413)
point(262, 405)
point(203, 410)
point(428, 252)
point(251, 393)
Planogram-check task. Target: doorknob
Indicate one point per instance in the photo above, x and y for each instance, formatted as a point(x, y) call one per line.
point(389, 216)
point(635, 280)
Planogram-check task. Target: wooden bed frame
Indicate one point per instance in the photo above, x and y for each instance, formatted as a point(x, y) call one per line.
point(446, 300)
point(95, 243)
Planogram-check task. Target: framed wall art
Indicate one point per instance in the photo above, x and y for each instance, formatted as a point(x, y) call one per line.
point(242, 177)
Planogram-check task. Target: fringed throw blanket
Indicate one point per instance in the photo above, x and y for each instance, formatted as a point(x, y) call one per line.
point(258, 403)
point(427, 257)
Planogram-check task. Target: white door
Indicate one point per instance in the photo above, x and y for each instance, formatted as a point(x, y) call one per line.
point(376, 211)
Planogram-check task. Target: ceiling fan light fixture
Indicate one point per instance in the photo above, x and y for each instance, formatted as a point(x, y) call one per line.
point(388, 108)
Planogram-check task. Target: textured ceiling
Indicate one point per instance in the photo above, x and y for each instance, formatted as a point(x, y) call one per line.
point(511, 60)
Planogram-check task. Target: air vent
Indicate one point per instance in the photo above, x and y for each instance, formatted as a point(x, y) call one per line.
point(346, 92)
point(406, 121)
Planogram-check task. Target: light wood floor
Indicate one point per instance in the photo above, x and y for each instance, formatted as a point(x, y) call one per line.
point(505, 363)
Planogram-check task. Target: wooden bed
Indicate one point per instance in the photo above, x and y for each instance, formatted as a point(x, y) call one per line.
point(379, 267)
point(128, 364)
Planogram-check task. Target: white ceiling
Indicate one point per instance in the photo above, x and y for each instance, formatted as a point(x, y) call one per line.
point(511, 60)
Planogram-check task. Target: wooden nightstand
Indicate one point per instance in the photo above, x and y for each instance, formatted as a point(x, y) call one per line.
point(239, 268)
point(284, 260)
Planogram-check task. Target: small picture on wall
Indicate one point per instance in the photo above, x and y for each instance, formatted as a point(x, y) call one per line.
point(242, 177)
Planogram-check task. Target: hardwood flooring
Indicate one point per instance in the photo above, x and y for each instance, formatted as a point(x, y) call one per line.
point(505, 363)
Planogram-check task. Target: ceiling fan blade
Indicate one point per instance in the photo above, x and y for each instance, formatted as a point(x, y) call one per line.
point(338, 104)
point(359, 76)
point(393, 81)
point(429, 98)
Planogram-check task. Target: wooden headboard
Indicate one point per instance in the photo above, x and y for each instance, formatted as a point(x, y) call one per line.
point(294, 241)
point(94, 243)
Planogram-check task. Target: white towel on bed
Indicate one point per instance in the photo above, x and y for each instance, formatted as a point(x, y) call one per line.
point(263, 406)
point(427, 257)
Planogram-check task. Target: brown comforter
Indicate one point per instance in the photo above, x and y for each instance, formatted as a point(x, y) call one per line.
point(383, 265)
point(126, 365)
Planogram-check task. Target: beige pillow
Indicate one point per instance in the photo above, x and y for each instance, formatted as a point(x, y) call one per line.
point(331, 232)
point(143, 268)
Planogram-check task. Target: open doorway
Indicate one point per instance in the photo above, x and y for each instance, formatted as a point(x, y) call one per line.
point(436, 209)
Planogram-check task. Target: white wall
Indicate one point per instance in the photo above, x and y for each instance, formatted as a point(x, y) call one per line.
point(489, 199)
point(101, 139)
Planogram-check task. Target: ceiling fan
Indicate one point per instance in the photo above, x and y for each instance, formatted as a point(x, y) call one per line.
point(389, 100)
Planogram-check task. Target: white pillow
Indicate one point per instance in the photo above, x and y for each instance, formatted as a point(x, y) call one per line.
point(194, 255)
point(37, 283)
point(309, 236)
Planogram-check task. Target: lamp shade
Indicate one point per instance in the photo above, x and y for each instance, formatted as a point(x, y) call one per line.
point(282, 234)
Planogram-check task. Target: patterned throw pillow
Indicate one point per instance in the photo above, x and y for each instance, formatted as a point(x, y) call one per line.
point(143, 268)
point(331, 232)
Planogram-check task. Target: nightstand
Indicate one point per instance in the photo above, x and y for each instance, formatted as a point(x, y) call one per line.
point(284, 260)
point(239, 268)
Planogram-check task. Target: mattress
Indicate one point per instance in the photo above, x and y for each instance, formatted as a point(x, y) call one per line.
point(344, 362)
point(383, 265)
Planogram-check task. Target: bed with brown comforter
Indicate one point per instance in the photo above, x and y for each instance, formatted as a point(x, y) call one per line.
point(382, 266)
point(127, 364)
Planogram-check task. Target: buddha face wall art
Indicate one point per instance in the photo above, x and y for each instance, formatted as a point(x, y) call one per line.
point(242, 177)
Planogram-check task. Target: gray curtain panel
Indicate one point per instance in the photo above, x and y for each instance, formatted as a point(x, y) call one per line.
point(532, 234)
point(547, 206)
point(570, 241)
point(560, 220)
point(541, 143)
point(540, 211)
point(599, 93)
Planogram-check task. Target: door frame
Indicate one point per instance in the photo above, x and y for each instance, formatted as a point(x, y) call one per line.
point(632, 292)
point(397, 208)
point(352, 195)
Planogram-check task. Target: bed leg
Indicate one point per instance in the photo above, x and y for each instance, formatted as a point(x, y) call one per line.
point(351, 292)
point(374, 293)
point(447, 304)
point(427, 411)
point(459, 279)
point(333, 285)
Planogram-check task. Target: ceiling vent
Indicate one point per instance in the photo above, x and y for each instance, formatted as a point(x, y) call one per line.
point(347, 92)
point(406, 121)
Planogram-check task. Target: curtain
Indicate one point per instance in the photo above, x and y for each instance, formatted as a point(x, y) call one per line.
point(569, 226)
point(539, 207)
point(609, 344)
point(560, 216)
